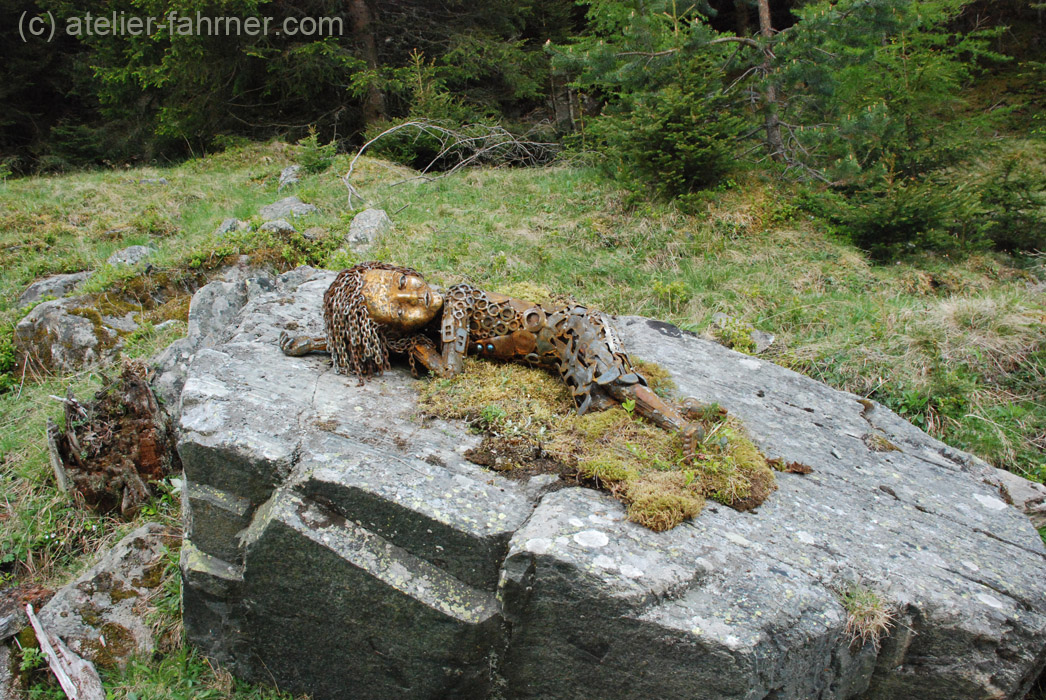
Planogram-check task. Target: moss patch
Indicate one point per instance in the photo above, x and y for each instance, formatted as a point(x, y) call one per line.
point(529, 423)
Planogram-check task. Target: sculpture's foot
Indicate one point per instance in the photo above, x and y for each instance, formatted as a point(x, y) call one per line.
point(693, 435)
point(298, 345)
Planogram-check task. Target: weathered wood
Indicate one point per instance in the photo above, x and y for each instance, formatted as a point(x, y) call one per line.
point(78, 678)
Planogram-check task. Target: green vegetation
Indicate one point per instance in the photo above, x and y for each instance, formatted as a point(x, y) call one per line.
point(955, 346)
point(528, 417)
point(715, 159)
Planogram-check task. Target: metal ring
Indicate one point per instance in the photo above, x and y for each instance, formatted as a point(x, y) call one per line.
point(500, 328)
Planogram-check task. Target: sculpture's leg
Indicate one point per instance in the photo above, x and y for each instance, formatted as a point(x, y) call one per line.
point(594, 365)
point(649, 405)
point(298, 345)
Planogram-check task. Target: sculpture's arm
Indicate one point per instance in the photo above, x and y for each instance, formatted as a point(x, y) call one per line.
point(298, 345)
point(429, 357)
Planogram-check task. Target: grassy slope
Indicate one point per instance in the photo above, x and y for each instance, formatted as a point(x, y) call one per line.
point(959, 348)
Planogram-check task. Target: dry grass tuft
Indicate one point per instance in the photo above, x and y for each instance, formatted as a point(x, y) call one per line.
point(868, 617)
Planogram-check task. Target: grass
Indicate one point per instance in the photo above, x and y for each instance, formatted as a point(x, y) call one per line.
point(957, 347)
point(868, 617)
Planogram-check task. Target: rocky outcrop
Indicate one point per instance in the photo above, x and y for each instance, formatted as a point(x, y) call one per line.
point(101, 615)
point(1028, 496)
point(342, 546)
point(214, 309)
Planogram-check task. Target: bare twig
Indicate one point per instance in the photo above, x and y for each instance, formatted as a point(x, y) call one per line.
point(472, 144)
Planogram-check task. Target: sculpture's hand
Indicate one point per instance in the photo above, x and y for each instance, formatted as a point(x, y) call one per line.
point(298, 345)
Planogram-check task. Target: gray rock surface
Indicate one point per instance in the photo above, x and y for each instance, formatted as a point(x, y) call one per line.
point(278, 226)
point(367, 227)
point(101, 615)
point(66, 335)
point(53, 286)
point(9, 685)
point(286, 208)
point(289, 177)
point(1028, 496)
point(214, 307)
point(130, 256)
point(335, 540)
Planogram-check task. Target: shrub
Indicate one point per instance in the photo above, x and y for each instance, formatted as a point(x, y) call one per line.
point(313, 156)
point(675, 140)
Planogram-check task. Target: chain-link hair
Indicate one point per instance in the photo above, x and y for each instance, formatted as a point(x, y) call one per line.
point(356, 343)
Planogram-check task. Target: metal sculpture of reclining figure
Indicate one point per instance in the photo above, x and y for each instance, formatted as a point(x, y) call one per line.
point(375, 308)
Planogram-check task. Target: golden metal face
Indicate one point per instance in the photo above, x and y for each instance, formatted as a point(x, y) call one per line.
point(399, 300)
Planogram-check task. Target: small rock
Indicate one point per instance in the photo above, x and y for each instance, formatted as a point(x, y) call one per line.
point(1028, 496)
point(130, 256)
point(367, 226)
point(289, 177)
point(53, 286)
point(153, 181)
point(102, 614)
point(315, 233)
point(229, 226)
point(169, 323)
point(286, 207)
point(762, 340)
point(278, 226)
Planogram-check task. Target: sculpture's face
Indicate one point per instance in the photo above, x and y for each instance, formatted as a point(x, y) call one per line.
point(399, 300)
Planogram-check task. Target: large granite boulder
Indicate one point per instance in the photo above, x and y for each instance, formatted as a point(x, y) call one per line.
point(339, 545)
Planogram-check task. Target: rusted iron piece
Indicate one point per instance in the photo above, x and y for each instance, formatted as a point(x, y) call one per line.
point(374, 308)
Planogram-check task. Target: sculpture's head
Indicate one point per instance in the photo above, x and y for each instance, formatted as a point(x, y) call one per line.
point(399, 299)
point(369, 304)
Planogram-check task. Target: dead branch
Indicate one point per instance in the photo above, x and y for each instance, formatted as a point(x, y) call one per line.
point(78, 677)
point(464, 146)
